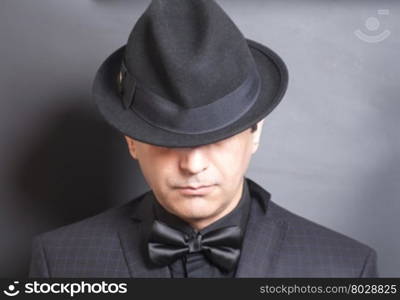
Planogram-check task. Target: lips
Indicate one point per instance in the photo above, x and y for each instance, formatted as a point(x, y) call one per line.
point(194, 187)
point(196, 190)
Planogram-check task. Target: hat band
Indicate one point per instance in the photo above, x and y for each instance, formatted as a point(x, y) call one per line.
point(164, 114)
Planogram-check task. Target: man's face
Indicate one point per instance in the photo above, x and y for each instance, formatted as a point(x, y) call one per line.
point(199, 184)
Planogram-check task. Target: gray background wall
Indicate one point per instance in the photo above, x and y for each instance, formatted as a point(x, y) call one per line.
point(330, 151)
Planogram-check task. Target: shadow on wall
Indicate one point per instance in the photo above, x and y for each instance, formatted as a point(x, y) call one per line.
point(78, 167)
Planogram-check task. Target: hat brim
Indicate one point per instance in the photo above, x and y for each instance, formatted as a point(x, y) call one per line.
point(274, 78)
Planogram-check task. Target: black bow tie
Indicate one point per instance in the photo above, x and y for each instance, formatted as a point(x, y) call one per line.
point(220, 246)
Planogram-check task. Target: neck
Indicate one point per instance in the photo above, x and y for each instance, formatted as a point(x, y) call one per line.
point(200, 224)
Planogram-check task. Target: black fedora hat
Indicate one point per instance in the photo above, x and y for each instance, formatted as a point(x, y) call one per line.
point(187, 77)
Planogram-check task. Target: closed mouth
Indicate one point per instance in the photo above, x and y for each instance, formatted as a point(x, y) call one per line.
point(194, 187)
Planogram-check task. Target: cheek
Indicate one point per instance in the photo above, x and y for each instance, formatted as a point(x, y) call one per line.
point(234, 163)
point(158, 170)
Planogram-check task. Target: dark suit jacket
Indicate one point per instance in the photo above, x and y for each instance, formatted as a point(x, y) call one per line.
point(277, 243)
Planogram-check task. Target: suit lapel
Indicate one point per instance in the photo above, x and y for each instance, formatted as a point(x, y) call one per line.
point(263, 238)
point(133, 234)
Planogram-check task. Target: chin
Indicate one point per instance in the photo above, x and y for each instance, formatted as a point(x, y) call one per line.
point(194, 208)
point(200, 214)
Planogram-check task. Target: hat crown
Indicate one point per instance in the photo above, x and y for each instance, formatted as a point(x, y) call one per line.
point(188, 52)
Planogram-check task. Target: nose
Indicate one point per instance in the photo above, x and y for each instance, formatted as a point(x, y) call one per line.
point(193, 160)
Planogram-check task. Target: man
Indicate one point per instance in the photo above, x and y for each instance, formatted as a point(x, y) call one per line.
point(190, 94)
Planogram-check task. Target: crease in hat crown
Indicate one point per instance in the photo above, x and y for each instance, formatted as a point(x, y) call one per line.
point(188, 52)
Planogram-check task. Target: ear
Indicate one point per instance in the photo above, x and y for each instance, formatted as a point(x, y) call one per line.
point(131, 146)
point(256, 136)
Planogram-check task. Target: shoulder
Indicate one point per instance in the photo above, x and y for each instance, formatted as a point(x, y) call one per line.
point(88, 248)
point(310, 249)
point(312, 246)
point(300, 227)
point(100, 226)
point(301, 231)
